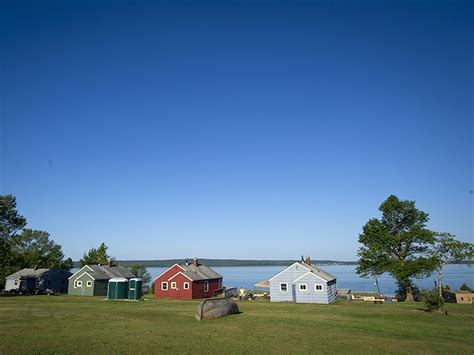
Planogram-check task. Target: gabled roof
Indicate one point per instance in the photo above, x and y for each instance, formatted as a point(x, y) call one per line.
point(312, 269)
point(106, 272)
point(35, 273)
point(200, 272)
point(27, 273)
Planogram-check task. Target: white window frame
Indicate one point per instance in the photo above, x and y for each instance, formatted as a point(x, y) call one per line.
point(305, 287)
point(16, 282)
point(284, 283)
point(173, 285)
point(316, 287)
point(77, 283)
point(206, 286)
point(165, 284)
point(185, 285)
point(89, 283)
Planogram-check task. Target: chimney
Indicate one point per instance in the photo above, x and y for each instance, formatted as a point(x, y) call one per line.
point(195, 262)
point(111, 263)
point(308, 260)
point(187, 262)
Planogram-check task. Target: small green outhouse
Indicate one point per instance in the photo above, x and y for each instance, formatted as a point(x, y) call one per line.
point(118, 288)
point(135, 289)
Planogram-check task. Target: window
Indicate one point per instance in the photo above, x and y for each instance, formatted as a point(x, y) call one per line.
point(303, 287)
point(283, 287)
point(318, 287)
point(16, 282)
point(78, 283)
point(89, 284)
point(164, 286)
point(186, 285)
point(173, 285)
point(206, 286)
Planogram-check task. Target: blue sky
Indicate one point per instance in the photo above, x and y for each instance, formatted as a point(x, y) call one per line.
point(234, 129)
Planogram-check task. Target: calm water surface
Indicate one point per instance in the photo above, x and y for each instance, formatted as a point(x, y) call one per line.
point(248, 276)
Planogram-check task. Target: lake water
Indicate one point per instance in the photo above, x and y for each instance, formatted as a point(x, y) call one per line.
point(248, 276)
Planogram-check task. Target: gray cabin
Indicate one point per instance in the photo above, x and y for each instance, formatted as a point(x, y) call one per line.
point(43, 280)
point(93, 280)
point(302, 282)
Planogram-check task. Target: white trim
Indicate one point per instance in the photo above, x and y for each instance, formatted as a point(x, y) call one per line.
point(311, 273)
point(164, 283)
point(164, 272)
point(295, 263)
point(206, 286)
point(322, 287)
point(172, 277)
point(76, 284)
point(174, 285)
point(305, 287)
point(87, 283)
point(185, 285)
point(284, 283)
point(80, 270)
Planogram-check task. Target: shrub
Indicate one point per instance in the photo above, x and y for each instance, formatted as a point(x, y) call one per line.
point(465, 287)
point(401, 293)
point(433, 300)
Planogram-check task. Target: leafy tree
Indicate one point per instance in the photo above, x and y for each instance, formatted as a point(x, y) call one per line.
point(10, 223)
point(97, 256)
point(433, 300)
point(447, 250)
point(465, 287)
point(398, 243)
point(35, 250)
point(141, 271)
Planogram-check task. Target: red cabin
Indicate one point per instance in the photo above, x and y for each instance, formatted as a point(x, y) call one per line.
point(188, 281)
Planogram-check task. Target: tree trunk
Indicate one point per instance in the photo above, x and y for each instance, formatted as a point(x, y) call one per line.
point(410, 297)
point(440, 281)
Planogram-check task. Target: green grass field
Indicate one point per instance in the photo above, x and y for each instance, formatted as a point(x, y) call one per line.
point(71, 324)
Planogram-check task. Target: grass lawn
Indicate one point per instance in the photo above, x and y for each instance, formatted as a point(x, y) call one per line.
point(65, 324)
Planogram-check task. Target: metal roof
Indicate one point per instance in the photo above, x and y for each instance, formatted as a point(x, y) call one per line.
point(28, 273)
point(106, 272)
point(200, 272)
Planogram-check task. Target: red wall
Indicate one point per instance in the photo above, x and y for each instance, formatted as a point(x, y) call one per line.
point(196, 288)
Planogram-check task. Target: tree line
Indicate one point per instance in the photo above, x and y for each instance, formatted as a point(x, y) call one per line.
point(21, 247)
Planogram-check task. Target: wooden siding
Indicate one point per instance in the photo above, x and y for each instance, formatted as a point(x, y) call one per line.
point(179, 292)
point(101, 287)
point(291, 274)
point(83, 290)
point(293, 294)
point(198, 288)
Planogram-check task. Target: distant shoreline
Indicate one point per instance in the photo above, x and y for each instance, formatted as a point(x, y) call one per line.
point(233, 262)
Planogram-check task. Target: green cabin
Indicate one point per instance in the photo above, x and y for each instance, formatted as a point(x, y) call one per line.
point(93, 280)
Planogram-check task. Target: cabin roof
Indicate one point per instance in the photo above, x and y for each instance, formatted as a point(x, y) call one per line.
point(200, 272)
point(106, 272)
point(326, 276)
point(28, 273)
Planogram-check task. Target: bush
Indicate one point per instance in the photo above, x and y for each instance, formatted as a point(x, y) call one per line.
point(465, 287)
point(433, 300)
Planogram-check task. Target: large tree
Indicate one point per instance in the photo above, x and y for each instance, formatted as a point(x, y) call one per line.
point(447, 250)
point(35, 250)
point(10, 223)
point(97, 256)
point(399, 243)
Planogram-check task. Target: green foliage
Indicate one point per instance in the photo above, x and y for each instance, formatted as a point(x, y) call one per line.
point(10, 223)
point(141, 271)
point(34, 249)
point(96, 256)
point(433, 300)
point(446, 287)
point(152, 289)
point(398, 243)
point(465, 287)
